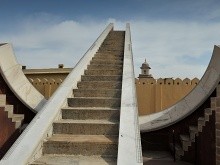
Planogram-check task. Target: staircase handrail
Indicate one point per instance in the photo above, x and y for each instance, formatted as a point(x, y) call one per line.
point(129, 148)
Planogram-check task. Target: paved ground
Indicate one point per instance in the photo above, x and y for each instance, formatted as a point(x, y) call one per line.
point(160, 158)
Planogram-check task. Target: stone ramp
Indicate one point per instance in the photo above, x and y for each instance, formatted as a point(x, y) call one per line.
point(88, 130)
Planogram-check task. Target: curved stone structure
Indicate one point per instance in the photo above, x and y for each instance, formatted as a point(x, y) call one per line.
point(12, 73)
point(189, 103)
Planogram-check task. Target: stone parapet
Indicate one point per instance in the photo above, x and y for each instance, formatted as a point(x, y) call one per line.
point(155, 95)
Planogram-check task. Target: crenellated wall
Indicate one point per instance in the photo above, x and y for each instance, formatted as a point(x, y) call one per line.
point(46, 81)
point(155, 95)
point(46, 86)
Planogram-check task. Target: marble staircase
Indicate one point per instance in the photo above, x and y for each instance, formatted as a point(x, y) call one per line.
point(88, 131)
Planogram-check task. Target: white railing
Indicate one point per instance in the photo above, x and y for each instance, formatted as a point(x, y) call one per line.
point(129, 148)
point(29, 144)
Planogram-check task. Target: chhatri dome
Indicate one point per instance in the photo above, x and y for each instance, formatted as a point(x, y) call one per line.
point(145, 70)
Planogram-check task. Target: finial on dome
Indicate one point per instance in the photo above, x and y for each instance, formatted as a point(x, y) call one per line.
point(145, 69)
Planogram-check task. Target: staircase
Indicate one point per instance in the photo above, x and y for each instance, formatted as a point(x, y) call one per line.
point(88, 130)
point(15, 118)
point(10, 125)
point(194, 131)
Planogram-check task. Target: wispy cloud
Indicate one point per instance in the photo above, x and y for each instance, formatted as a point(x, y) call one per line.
point(167, 45)
point(63, 42)
point(164, 44)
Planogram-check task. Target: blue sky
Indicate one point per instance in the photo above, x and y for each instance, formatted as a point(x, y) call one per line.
point(175, 36)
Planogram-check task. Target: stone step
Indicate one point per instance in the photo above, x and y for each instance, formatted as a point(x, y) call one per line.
point(115, 39)
point(111, 48)
point(115, 62)
point(109, 54)
point(193, 131)
point(186, 142)
point(86, 127)
point(101, 78)
point(120, 38)
point(94, 102)
point(18, 124)
point(120, 41)
point(201, 121)
point(55, 159)
point(17, 117)
point(206, 117)
point(2, 100)
point(88, 113)
point(87, 145)
point(112, 45)
point(99, 85)
point(184, 138)
point(9, 109)
point(103, 72)
point(116, 52)
point(115, 93)
point(102, 66)
point(208, 111)
point(178, 150)
point(117, 33)
point(111, 57)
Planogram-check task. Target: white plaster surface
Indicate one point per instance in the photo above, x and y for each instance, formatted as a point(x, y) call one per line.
point(24, 149)
point(16, 80)
point(189, 103)
point(129, 148)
